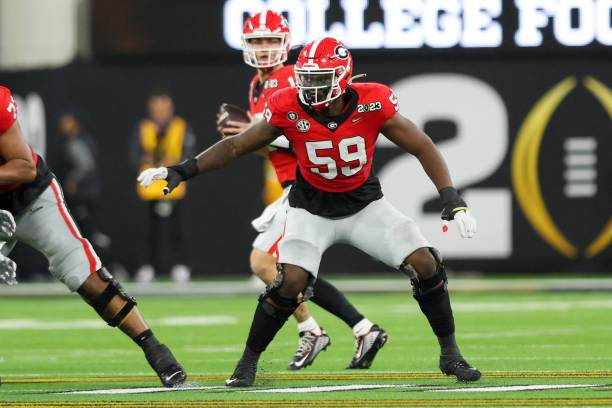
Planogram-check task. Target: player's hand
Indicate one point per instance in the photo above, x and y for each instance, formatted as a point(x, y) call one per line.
point(7, 225)
point(149, 176)
point(172, 177)
point(456, 209)
point(7, 271)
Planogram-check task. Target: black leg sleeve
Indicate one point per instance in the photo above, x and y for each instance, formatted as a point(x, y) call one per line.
point(436, 306)
point(331, 299)
point(267, 321)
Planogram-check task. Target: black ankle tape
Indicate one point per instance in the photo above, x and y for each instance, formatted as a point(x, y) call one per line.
point(142, 337)
point(146, 339)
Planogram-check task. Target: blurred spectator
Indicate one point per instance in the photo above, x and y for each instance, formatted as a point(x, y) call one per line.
point(162, 139)
point(81, 181)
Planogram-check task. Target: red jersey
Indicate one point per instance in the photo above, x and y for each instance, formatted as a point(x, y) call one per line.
point(283, 160)
point(8, 116)
point(334, 154)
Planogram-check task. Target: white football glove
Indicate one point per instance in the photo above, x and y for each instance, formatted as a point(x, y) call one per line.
point(7, 270)
point(7, 225)
point(466, 223)
point(148, 176)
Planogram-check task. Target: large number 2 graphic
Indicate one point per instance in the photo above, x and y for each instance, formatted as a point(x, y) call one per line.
point(475, 153)
point(351, 149)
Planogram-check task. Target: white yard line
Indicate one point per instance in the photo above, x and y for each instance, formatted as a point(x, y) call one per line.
point(37, 324)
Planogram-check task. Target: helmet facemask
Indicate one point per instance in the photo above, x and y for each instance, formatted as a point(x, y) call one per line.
point(268, 57)
point(318, 87)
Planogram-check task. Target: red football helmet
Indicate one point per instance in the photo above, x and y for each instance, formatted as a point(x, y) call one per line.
point(322, 72)
point(267, 24)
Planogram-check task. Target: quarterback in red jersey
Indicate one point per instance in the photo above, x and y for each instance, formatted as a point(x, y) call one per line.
point(266, 40)
point(333, 125)
point(30, 192)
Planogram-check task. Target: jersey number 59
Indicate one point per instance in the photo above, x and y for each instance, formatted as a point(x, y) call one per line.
point(349, 150)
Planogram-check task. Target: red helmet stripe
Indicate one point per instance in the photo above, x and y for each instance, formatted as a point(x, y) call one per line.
point(262, 19)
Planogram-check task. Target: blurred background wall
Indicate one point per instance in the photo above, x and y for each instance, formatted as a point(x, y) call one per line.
point(517, 95)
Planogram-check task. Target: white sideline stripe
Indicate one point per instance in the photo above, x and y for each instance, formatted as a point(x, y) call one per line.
point(530, 306)
point(334, 388)
point(36, 324)
point(143, 390)
point(508, 388)
point(331, 388)
point(385, 284)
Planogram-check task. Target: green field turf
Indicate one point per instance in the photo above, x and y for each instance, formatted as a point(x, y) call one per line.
point(527, 343)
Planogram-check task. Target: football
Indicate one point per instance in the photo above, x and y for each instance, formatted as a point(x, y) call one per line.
point(231, 112)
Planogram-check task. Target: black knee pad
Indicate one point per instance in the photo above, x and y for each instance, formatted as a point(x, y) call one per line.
point(272, 291)
point(113, 289)
point(422, 288)
point(276, 312)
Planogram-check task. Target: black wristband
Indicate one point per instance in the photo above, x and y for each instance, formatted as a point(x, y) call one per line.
point(187, 169)
point(448, 194)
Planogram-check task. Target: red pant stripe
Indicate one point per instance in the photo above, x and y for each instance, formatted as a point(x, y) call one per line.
point(72, 227)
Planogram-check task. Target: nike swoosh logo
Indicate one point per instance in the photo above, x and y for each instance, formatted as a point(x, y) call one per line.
point(230, 381)
point(300, 362)
point(170, 377)
point(357, 119)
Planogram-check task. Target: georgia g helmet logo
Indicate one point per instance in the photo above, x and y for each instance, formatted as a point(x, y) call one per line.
point(341, 52)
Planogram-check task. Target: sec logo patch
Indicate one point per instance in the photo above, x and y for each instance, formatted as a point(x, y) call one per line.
point(303, 125)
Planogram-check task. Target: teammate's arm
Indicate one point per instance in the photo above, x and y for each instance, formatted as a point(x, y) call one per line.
point(409, 137)
point(219, 155)
point(19, 165)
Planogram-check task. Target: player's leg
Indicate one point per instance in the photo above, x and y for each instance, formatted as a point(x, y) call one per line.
point(271, 225)
point(313, 339)
point(369, 337)
point(52, 231)
point(275, 305)
point(389, 239)
point(306, 238)
point(429, 281)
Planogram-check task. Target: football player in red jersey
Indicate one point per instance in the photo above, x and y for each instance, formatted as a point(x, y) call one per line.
point(30, 192)
point(266, 40)
point(333, 125)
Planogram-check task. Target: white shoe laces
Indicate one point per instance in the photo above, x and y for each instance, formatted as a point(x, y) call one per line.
point(306, 343)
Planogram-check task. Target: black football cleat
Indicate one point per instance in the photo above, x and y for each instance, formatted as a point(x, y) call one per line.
point(457, 366)
point(170, 372)
point(310, 346)
point(367, 347)
point(244, 374)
